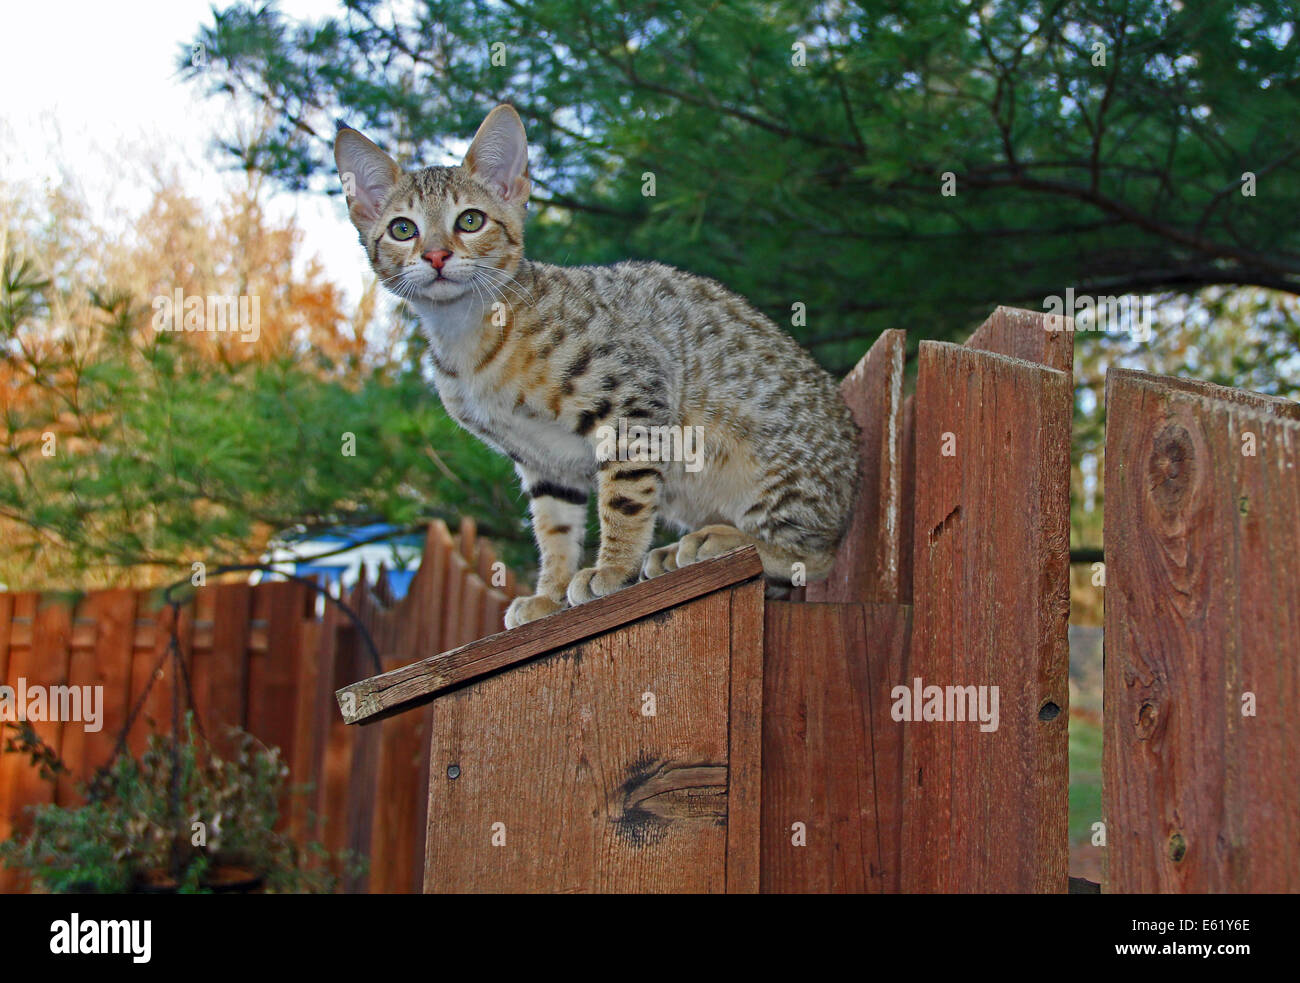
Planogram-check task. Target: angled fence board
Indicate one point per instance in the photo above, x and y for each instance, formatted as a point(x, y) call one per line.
point(867, 565)
point(394, 691)
point(986, 810)
point(1202, 683)
point(1277, 406)
point(606, 762)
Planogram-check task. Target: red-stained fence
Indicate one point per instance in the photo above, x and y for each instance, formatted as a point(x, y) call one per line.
point(268, 659)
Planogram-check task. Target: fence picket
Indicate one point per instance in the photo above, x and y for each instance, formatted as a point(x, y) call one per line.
point(1202, 613)
point(867, 566)
point(987, 811)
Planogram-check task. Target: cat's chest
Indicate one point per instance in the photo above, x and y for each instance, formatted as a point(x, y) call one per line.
point(497, 415)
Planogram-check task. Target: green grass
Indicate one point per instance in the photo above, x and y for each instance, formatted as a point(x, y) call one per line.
point(1085, 778)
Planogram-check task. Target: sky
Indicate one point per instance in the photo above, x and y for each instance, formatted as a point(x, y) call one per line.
point(89, 91)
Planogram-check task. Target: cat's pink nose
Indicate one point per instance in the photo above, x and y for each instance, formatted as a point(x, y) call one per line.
point(437, 257)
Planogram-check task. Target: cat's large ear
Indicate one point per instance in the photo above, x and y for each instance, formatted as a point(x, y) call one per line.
point(368, 175)
point(498, 157)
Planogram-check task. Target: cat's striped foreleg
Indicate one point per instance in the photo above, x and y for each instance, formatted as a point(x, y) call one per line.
point(559, 514)
point(627, 494)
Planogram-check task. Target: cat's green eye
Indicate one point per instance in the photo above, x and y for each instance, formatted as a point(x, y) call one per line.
point(402, 229)
point(471, 220)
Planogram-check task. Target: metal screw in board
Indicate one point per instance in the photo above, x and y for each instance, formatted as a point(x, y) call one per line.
point(453, 772)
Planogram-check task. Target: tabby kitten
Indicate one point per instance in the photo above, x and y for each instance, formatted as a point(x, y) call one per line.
point(557, 367)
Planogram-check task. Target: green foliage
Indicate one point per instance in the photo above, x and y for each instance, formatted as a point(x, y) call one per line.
point(164, 455)
point(44, 758)
point(136, 825)
point(1094, 145)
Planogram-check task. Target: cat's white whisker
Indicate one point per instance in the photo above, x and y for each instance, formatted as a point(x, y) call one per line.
point(507, 283)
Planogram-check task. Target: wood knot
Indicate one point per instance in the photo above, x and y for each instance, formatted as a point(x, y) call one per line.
point(1177, 847)
point(1171, 467)
point(1148, 716)
point(658, 793)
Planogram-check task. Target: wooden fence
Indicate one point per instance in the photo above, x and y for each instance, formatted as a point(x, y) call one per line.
point(1202, 677)
point(583, 752)
point(266, 658)
point(901, 727)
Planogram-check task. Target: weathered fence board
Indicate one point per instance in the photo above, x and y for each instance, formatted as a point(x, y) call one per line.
point(152, 632)
point(308, 738)
point(550, 774)
point(414, 685)
point(831, 755)
point(1030, 336)
point(986, 810)
point(1202, 683)
point(867, 567)
point(745, 736)
point(331, 796)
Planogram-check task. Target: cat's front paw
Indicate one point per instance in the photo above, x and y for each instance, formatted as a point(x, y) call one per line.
point(594, 582)
point(525, 609)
